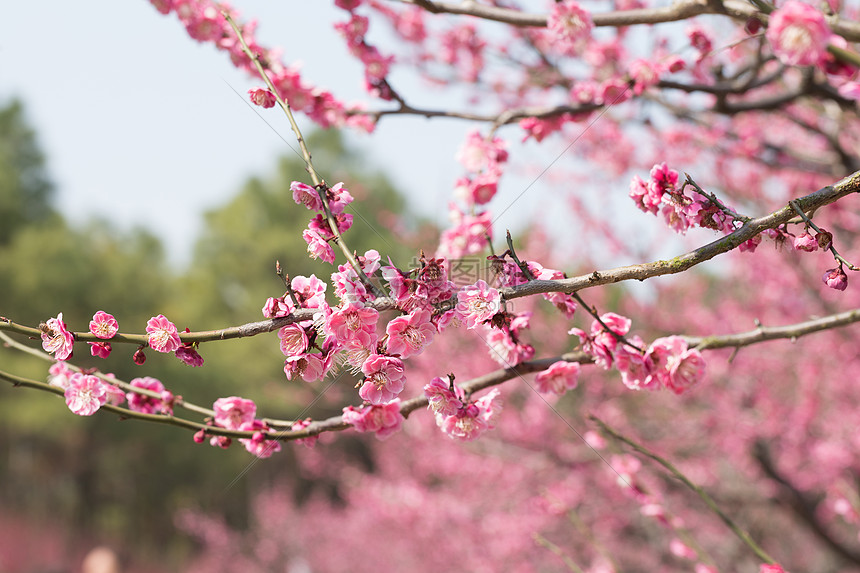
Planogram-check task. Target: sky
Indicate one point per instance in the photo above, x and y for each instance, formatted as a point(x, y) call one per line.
point(141, 125)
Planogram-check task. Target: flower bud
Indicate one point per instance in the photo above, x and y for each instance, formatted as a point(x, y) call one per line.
point(836, 278)
point(139, 357)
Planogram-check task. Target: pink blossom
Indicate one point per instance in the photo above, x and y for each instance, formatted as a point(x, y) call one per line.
point(637, 369)
point(570, 24)
point(384, 419)
point(774, 568)
point(805, 242)
point(234, 411)
point(318, 247)
point(310, 366)
point(798, 34)
point(835, 278)
point(558, 378)
point(310, 441)
point(678, 367)
point(262, 97)
point(409, 335)
point(189, 355)
point(468, 236)
point(353, 322)
point(664, 178)
point(338, 198)
point(601, 344)
point(478, 303)
point(306, 195)
point(100, 349)
point(59, 374)
point(504, 347)
point(104, 325)
point(384, 379)
point(85, 394)
point(294, 340)
point(163, 336)
point(56, 339)
point(473, 419)
point(444, 397)
point(144, 403)
point(477, 154)
point(115, 395)
point(258, 444)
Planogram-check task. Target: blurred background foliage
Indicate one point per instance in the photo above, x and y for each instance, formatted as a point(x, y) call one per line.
point(112, 481)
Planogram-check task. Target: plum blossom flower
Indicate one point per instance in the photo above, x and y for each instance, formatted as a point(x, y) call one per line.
point(472, 419)
point(144, 403)
point(100, 349)
point(294, 340)
point(310, 366)
point(353, 322)
point(478, 303)
point(59, 374)
point(558, 378)
point(570, 24)
point(601, 344)
point(444, 397)
point(104, 325)
point(189, 355)
point(234, 411)
point(258, 444)
point(318, 247)
point(85, 394)
point(384, 379)
point(56, 339)
point(306, 195)
point(798, 34)
point(835, 278)
point(678, 367)
point(163, 336)
point(262, 97)
point(384, 419)
point(409, 335)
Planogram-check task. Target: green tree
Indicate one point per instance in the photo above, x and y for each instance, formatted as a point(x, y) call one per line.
point(25, 189)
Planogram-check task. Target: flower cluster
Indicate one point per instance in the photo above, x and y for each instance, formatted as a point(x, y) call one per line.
point(203, 22)
point(104, 326)
point(667, 363)
point(483, 158)
point(376, 66)
point(319, 231)
point(456, 414)
point(680, 210)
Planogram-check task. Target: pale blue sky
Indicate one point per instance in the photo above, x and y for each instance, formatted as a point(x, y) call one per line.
point(140, 125)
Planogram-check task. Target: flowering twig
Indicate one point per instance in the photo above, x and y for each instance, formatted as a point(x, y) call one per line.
point(815, 200)
point(488, 380)
point(306, 155)
point(839, 258)
point(709, 501)
point(715, 201)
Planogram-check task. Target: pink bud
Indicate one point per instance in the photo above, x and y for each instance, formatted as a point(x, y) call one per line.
point(200, 436)
point(139, 357)
point(836, 278)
